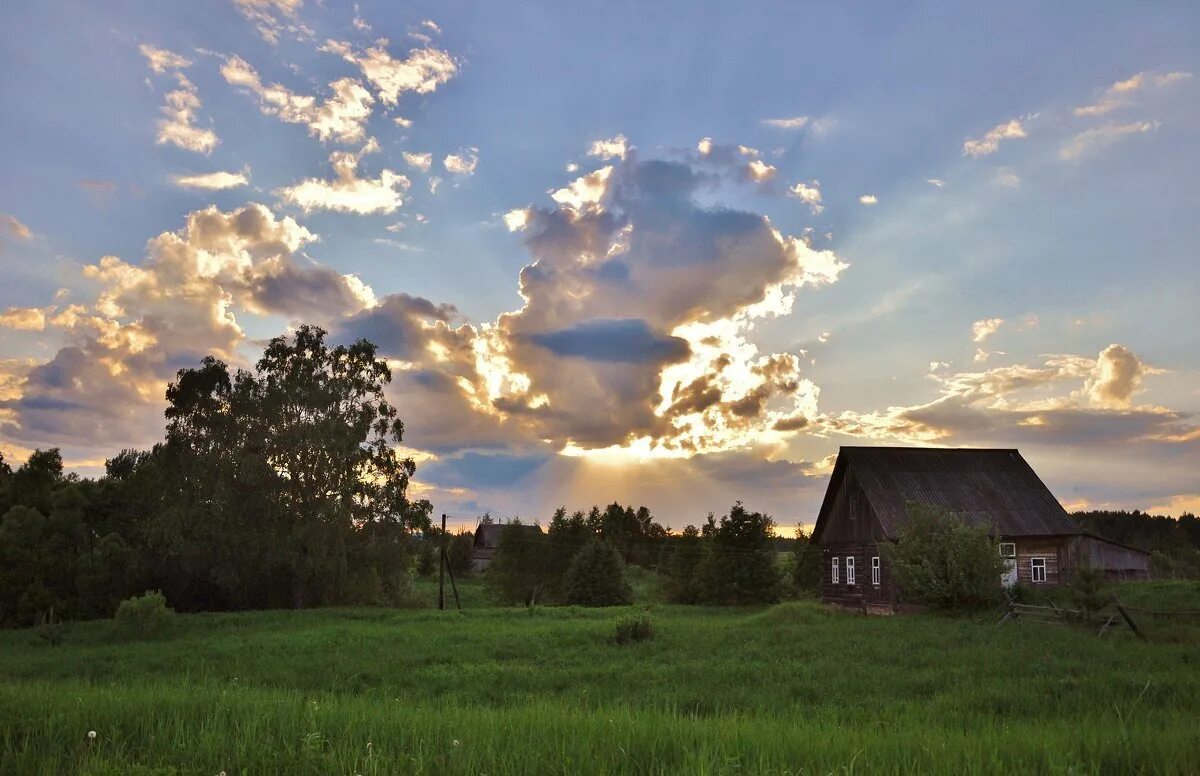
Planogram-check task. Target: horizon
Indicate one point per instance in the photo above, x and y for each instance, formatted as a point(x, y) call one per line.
point(676, 259)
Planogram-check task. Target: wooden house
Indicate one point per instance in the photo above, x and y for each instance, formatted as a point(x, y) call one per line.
point(865, 505)
point(487, 541)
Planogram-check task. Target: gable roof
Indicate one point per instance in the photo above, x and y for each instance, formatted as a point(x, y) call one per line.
point(996, 488)
point(488, 534)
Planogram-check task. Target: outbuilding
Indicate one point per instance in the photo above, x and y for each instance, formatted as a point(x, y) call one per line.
point(866, 504)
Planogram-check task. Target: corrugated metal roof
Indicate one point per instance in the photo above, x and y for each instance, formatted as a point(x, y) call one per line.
point(990, 487)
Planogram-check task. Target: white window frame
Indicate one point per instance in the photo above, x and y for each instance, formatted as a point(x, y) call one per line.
point(835, 571)
point(875, 570)
point(1037, 566)
point(849, 569)
point(1011, 554)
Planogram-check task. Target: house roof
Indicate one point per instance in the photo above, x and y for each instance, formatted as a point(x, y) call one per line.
point(996, 488)
point(488, 534)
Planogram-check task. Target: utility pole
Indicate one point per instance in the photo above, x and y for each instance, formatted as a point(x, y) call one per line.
point(442, 568)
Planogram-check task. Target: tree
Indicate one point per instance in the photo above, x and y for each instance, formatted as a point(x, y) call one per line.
point(682, 585)
point(739, 567)
point(461, 552)
point(596, 577)
point(941, 561)
point(806, 567)
point(522, 571)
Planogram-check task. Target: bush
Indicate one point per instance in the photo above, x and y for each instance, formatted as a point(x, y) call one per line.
point(1089, 591)
point(633, 627)
point(806, 568)
point(596, 577)
point(940, 561)
point(144, 615)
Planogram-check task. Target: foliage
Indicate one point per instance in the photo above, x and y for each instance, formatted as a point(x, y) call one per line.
point(635, 626)
point(739, 566)
point(596, 577)
point(522, 571)
point(682, 580)
point(806, 565)
point(1089, 590)
point(144, 615)
point(940, 561)
point(461, 552)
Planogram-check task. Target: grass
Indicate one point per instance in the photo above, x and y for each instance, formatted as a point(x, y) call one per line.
point(793, 688)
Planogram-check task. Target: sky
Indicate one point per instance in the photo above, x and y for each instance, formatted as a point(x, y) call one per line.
point(671, 254)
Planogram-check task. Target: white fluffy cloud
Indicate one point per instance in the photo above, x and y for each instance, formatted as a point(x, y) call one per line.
point(347, 192)
point(213, 181)
point(178, 126)
point(869, 199)
point(420, 162)
point(421, 72)
point(342, 116)
point(463, 162)
point(990, 142)
point(981, 330)
point(808, 193)
point(609, 148)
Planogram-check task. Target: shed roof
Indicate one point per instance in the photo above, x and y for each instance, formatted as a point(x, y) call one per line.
point(996, 488)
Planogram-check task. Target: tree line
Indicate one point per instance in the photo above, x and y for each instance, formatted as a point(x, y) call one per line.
point(276, 487)
point(581, 558)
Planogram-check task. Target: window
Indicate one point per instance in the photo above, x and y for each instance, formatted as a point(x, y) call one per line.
point(835, 571)
point(1008, 550)
point(1037, 569)
point(849, 569)
point(875, 571)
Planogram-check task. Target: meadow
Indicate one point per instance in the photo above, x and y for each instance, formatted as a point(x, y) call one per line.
point(788, 689)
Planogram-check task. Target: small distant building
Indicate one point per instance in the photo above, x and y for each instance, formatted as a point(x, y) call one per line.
point(865, 505)
point(487, 541)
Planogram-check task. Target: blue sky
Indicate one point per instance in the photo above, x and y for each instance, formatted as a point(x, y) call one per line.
point(805, 226)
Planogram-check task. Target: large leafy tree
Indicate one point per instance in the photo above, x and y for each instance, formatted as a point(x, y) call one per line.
point(941, 561)
point(739, 567)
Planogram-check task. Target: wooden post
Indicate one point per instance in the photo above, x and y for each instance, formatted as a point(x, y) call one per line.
point(442, 568)
point(1129, 619)
point(453, 584)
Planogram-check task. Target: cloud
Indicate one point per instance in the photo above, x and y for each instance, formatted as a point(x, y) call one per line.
point(422, 72)
point(868, 199)
point(794, 122)
point(618, 340)
point(420, 162)
point(272, 17)
point(12, 226)
point(981, 330)
point(1091, 140)
point(936, 182)
point(178, 127)
point(341, 117)
point(103, 389)
point(463, 162)
point(212, 181)
point(161, 60)
point(809, 194)
point(347, 192)
point(990, 142)
point(611, 148)
point(759, 171)
point(1027, 403)
point(1121, 94)
point(23, 318)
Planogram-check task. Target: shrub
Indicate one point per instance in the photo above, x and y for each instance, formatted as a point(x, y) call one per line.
point(633, 627)
point(1089, 590)
point(460, 551)
point(596, 577)
point(940, 561)
point(144, 615)
point(806, 568)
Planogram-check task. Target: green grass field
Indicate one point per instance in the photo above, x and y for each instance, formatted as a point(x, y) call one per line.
point(793, 688)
